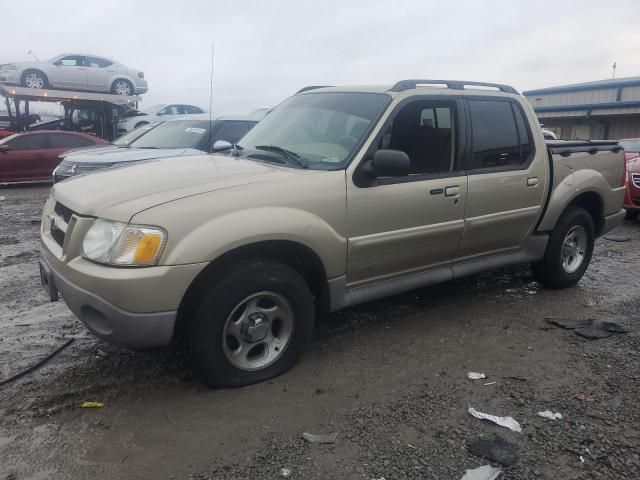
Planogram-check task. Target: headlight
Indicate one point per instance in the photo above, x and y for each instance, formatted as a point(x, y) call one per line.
point(116, 243)
point(8, 67)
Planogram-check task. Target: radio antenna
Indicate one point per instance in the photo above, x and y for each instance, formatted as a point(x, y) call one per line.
point(211, 98)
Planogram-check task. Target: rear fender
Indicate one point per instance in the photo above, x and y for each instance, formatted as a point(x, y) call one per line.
point(574, 184)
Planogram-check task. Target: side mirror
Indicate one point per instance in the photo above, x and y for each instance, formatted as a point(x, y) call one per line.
point(4, 148)
point(57, 63)
point(221, 145)
point(391, 163)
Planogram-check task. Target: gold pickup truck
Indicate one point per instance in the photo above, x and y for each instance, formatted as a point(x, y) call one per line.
point(339, 196)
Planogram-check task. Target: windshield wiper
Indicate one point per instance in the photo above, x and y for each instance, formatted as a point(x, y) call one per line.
point(285, 153)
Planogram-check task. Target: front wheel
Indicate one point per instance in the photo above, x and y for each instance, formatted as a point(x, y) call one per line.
point(252, 326)
point(569, 250)
point(34, 79)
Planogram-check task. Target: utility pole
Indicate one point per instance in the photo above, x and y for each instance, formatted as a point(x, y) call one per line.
point(614, 70)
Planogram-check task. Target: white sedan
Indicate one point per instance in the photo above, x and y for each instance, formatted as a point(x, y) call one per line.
point(76, 72)
point(156, 113)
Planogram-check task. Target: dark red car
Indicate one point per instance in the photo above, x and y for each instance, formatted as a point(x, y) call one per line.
point(632, 193)
point(32, 156)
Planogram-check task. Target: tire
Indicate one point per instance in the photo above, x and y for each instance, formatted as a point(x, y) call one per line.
point(632, 214)
point(552, 271)
point(231, 318)
point(122, 87)
point(34, 79)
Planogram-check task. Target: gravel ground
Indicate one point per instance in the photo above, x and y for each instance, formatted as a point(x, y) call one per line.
point(388, 377)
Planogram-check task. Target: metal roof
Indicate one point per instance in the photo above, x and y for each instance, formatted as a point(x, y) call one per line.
point(597, 85)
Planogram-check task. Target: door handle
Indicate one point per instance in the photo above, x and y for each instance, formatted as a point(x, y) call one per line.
point(452, 191)
point(532, 182)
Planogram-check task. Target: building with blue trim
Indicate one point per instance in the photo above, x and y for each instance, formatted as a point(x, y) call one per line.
point(606, 109)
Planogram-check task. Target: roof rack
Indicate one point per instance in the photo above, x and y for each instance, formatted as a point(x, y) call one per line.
point(403, 85)
point(312, 87)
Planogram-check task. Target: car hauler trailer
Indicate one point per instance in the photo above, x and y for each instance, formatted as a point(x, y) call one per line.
point(103, 110)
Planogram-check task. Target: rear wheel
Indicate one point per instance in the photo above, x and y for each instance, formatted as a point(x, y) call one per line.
point(122, 87)
point(34, 79)
point(569, 250)
point(252, 326)
point(632, 214)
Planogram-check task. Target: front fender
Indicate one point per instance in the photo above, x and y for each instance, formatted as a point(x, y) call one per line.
point(575, 184)
point(228, 232)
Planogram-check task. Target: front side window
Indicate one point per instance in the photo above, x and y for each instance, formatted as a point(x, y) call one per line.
point(28, 142)
point(425, 131)
point(175, 134)
point(193, 110)
point(323, 129)
point(169, 110)
point(500, 136)
point(72, 61)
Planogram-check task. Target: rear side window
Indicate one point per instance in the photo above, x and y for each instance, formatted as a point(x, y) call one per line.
point(28, 142)
point(500, 136)
point(98, 62)
point(68, 141)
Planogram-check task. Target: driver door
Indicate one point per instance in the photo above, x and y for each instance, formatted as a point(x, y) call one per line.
point(404, 225)
point(69, 72)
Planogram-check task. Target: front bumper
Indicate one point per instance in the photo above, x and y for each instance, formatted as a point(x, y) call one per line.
point(10, 77)
point(105, 320)
point(130, 307)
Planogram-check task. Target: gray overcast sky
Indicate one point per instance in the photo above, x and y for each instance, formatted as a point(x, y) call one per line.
point(266, 50)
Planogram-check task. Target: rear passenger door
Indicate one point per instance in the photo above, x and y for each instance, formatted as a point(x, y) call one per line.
point(506, 178)
point(99, 72)
point(58, 144)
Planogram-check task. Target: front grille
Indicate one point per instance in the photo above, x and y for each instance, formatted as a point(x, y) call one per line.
point(58, 235)
point(635, 178)
point(63, 211)
point(58, 231)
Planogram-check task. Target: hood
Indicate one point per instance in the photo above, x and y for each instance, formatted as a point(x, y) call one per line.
point(21, 65)
point(118, 194)
point(82, 150)
point(113, 154)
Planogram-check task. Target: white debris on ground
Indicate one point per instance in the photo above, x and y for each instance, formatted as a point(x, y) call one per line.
point(550, 415)
point(486, 472)
point(508, 422)
point(476, 376)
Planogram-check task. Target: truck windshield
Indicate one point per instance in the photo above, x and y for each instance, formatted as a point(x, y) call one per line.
point(175, 134)
point(322, 129)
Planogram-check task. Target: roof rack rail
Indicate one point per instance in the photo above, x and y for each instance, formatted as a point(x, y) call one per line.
point(312, 87)
point(403, 85)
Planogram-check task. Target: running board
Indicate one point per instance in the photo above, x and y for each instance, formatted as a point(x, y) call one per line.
point(343, 297)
